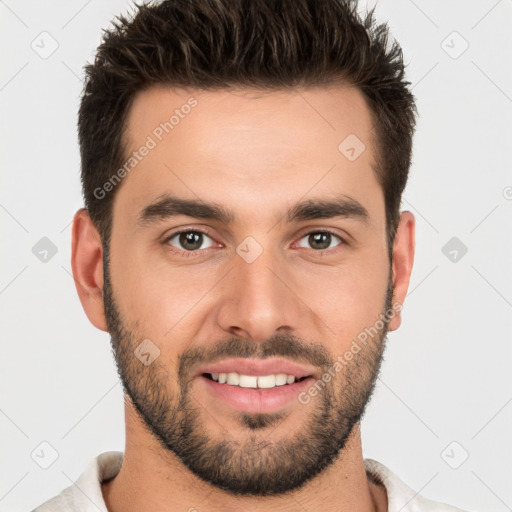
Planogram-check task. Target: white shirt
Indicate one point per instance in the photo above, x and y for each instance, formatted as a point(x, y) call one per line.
point(85, 494)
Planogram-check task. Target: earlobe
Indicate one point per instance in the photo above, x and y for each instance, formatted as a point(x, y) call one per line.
point(403, 259)
point(87, 266)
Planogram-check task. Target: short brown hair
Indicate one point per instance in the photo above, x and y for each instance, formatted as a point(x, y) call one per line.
point(266, 44)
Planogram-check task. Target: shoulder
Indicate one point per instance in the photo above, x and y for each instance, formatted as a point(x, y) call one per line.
point(400, 496)
point(85, 494)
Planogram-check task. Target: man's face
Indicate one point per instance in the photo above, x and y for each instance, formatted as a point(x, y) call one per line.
point(262, 285)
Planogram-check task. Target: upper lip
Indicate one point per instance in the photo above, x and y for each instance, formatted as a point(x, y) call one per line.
point(258, 367)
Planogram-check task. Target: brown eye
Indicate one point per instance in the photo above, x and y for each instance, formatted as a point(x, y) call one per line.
point(320, 240)
point(190, 241)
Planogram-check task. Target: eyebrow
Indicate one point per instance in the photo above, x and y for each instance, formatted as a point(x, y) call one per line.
point(168, 206)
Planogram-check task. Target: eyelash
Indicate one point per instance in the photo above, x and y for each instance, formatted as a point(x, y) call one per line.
point(189, 254)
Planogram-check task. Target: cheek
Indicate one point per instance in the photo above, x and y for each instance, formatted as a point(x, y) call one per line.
point(349, 299)
point(159, 302)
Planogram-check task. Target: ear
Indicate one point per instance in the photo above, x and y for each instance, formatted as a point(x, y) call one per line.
point(403, 259)
point(87, 266)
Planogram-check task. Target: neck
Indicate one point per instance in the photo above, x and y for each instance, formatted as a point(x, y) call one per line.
point(153, 479)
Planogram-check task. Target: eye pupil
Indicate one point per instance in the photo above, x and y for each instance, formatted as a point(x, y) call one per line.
point(191, 237)
point(320, 238)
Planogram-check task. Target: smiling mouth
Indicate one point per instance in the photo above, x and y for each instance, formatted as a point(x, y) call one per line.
point(254, 381)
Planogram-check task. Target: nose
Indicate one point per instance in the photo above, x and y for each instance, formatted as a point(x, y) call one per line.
point(259, 298)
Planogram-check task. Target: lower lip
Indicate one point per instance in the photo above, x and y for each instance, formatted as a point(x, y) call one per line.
point(257, 400)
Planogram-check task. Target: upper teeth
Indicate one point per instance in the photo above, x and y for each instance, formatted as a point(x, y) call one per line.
point(253, 381)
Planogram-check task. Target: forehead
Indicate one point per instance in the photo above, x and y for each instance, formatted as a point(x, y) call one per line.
point(248, 148)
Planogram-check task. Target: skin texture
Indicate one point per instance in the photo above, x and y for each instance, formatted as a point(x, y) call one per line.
point(256, 154)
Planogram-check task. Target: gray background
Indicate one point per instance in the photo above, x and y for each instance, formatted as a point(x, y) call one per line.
point(444, 393)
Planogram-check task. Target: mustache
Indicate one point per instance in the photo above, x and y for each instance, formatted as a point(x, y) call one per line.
point(283, 345)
